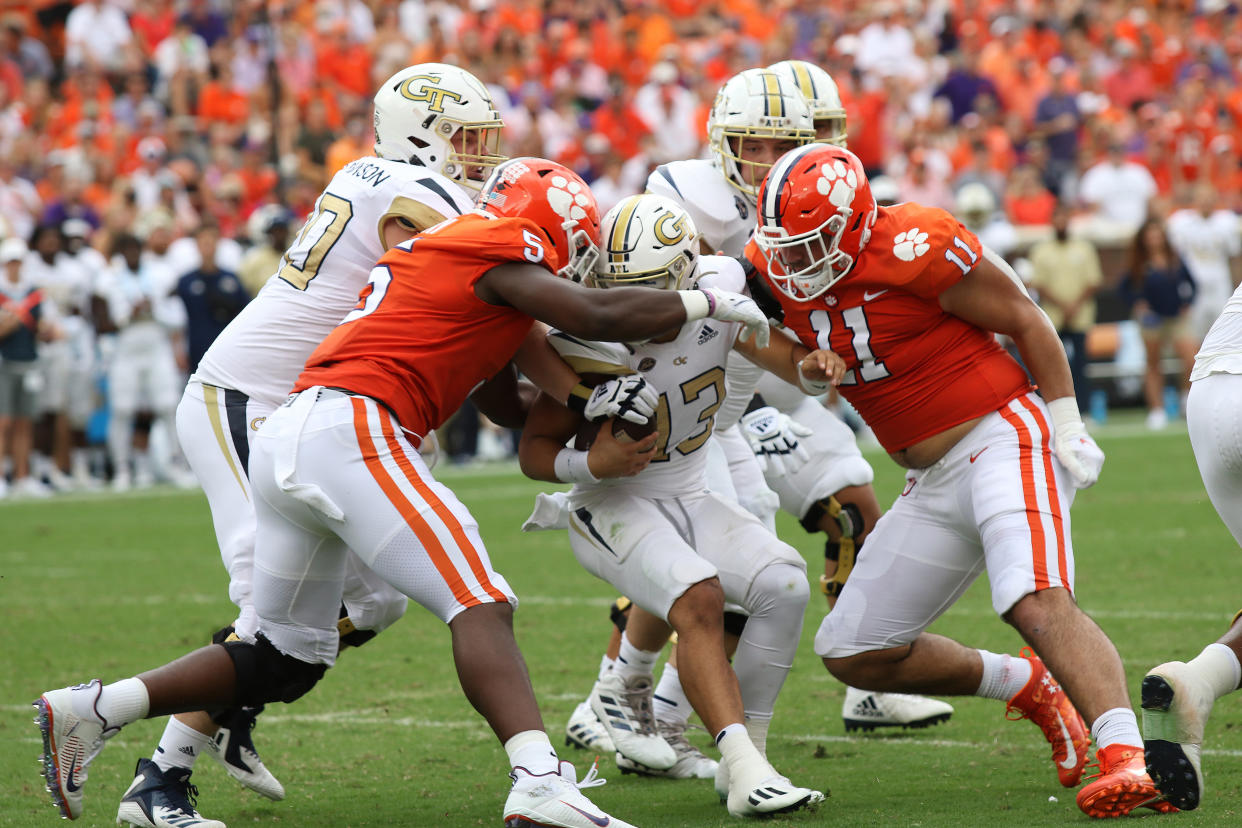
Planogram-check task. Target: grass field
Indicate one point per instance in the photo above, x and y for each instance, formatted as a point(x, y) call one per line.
point(108, 586)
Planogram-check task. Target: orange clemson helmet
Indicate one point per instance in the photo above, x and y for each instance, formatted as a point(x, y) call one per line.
point(816, 211)
point(557, 200)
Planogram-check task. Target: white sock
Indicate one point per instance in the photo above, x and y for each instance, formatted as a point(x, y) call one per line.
point(180, 746)
point(120, 703)
point(757, 728)
point(633, 662)
point(671, 704)
point(1218, 666)
point(747, 767)
point(1003, 675)
point(531, 750)
point(1116, 727)
point(605, 666)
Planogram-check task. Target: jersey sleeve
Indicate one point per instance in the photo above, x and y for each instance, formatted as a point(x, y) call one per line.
point(587, 357)
point(951, 252)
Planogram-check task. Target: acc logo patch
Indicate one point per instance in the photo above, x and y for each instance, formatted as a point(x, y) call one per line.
point(908, 245)
point(646, 364)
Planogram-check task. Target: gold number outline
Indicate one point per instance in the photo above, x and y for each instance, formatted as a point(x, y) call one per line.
point(342, 210)
point(691, 390)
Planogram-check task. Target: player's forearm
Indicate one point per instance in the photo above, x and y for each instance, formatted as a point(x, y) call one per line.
point(1044, 356)
point(540, 362)
point(781, 356)
point(537, 457)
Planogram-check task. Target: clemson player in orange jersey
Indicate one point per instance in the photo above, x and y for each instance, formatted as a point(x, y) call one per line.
point(337, 468)
point(910, 299)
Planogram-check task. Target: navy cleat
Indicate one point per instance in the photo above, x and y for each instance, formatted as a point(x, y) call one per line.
point(161, 799)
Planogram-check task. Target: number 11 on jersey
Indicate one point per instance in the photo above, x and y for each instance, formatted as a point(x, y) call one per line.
point(869, 368)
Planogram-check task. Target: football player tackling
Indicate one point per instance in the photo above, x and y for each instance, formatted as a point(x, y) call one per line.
point(337, 468)
point(911, 300)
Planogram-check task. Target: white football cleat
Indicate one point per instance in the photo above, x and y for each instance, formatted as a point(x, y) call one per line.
point(625, 708)
point(586, 731)
point(691, 762)
point(232, 747)
point(1176, 706)
point(70, 743)
point(774, 795)
point(867, 710)
point(553, 799)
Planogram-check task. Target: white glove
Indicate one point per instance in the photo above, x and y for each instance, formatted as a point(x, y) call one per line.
point(728, 307)
point(629, 397)
point(774, 438)
point(1072, 445)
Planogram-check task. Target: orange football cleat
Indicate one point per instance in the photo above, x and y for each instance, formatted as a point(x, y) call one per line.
point(1044, 702)
point(1121, 785)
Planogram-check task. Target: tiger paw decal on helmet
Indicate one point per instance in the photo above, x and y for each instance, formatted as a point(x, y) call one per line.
point(838, 182)
point(568, 198)
point(908, 245)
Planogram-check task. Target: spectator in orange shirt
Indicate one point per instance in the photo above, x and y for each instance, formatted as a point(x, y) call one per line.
point(619, 122)
point(219, 102)
point(347, 64)
point(358, 140)
point(1027, 200)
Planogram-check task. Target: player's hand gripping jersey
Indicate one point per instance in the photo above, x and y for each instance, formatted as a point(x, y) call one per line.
point(913, 370)
point(424, 371)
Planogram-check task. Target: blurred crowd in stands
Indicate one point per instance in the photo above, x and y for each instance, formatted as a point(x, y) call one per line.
point(157, 155)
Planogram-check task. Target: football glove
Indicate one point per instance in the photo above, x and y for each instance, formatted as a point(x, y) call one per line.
point(1071, 444)
point(734, 307)
point(774, 438)
point(629, 397)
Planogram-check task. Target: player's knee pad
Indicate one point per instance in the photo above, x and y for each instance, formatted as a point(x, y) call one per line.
point(779, 586)
point(844, 552)
point(847, 516)
point(265, 674)
point(619, 612)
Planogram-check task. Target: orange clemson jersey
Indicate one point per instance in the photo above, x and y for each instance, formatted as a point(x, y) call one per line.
point(419, 340)
point(912, 369)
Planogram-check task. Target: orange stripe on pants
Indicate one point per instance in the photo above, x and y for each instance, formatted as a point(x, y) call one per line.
point(1054, 497)
point(1039, 541)
point(407, 509)
point(445, 514)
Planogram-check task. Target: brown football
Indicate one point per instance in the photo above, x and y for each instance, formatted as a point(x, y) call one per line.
point(623, 430)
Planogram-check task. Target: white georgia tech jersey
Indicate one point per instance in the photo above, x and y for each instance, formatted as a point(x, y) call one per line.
point(689, 375)
point(263, 350)
point(722, 216)
point(1221, 351)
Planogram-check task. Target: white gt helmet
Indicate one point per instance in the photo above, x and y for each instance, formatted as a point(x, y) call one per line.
point(755, 103)
point(820, 91)
point(975, 205)
point(647, 240)
point(420, 109)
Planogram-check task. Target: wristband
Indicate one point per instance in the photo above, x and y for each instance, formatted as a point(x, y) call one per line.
point(1064, 413)
point(810, 387)
point(698, 304)
point(571, 467)
point(577, 399)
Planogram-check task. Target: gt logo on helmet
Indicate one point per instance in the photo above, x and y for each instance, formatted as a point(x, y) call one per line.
point(429, 92)
point(676, 228)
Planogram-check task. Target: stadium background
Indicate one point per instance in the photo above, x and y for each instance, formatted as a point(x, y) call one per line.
point(153, 113)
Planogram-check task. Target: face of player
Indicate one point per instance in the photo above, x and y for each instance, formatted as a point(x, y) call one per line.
point(827, 129)
point(759, 154)
point(474, 142)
